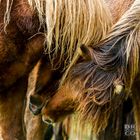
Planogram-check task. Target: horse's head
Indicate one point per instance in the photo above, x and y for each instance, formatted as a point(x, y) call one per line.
point(64, 102)
point(89, 89)
point(43, 95)
point(64, 37)
point(46, 82)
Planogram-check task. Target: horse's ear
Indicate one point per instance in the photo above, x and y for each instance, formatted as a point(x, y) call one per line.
point(85, 52)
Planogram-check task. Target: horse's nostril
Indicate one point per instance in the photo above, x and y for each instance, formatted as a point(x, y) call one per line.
point(36, 100)
point(47, 120)
point(35, 104)
point(35, 110)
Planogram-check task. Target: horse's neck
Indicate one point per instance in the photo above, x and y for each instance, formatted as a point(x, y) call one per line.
point(118, 7)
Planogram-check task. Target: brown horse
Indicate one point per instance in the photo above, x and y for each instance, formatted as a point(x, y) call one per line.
point(19, 21)
point(49, 70)
point(112, 64)
point(64, 38)
point(36, 100)
point(46, 85)
point(38, 85)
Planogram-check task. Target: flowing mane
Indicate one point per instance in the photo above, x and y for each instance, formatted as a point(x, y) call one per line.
point(68, 24)
point(114, 64)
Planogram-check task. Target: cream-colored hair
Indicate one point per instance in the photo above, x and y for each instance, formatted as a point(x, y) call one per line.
point(68, 24)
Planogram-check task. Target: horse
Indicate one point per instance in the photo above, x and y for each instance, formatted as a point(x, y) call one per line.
point(35, 99)
point(110, 75)
point(126, 6)
point(21, 45)
point(38, 84)
point(66, 45)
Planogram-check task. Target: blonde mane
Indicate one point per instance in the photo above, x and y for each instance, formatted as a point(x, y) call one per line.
point(70, 23)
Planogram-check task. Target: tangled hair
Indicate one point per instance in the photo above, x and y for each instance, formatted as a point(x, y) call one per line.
point(114, 62)
point(68, 24)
